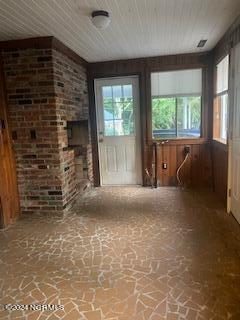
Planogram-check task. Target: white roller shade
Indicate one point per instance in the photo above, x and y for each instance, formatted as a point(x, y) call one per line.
point(177, 83)
point(222, 75)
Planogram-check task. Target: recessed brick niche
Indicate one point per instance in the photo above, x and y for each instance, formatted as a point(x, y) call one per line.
point(79, 141)
point(46, 88)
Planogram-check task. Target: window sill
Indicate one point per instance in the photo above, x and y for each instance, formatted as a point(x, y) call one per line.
point(180, 141)
point(219, 140)
point(220, 144)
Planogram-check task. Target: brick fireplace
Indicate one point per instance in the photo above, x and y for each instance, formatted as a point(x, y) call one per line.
point(46, 90)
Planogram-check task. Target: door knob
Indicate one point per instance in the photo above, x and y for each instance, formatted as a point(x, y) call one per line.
point(100, 140)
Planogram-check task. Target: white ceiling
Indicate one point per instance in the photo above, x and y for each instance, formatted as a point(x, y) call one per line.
point(139, 28)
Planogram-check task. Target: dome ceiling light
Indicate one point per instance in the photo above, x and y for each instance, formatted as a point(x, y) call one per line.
point(100, 19)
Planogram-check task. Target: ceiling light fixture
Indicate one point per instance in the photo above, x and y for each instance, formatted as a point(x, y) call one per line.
point(100, 19)
point(201, 43)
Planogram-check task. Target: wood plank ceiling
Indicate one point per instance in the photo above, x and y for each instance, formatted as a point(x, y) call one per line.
point(139, 28)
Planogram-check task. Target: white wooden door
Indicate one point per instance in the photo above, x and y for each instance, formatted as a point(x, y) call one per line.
point(235, 135)
point(118, 125)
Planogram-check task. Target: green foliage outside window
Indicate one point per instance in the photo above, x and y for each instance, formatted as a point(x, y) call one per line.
point(163, 113)
point(177, 117)
point(118, 116)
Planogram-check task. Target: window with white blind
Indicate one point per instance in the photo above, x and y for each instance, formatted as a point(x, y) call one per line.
point(222, 75)
point(176, 103)
point(220, 114)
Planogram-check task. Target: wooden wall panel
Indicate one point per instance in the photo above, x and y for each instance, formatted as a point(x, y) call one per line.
point(9, 200)
point(220, 169)
point(197, 171)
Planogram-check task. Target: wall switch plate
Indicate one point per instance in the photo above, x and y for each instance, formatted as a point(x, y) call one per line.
point(164, 165)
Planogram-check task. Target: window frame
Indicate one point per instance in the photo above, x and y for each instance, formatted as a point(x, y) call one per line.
point(204, 116)
point(219, 95)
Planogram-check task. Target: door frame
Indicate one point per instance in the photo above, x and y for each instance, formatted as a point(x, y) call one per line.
point(138, 123)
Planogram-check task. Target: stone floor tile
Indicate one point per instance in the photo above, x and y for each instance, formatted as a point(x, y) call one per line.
point(125, 253)
point(93, 315)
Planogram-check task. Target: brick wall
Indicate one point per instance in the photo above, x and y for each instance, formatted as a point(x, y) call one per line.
point(44, 90)
point(70, 80)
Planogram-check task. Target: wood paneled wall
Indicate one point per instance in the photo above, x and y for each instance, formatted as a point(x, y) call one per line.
point(198, 171)
point(9, 200)
point(220, 169)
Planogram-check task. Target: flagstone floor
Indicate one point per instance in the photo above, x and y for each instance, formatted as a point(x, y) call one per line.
point(127, 253)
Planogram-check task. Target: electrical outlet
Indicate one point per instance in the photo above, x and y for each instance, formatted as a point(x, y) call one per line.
point(164, 165)
point(187, 149)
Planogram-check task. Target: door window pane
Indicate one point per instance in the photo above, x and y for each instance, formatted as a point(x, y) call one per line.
point(118, 110)
point(107, 92)
point(118, 121)
point(117, 93)
point(108, 109)
point(128, 118)
point(127, 91)
point(109, 127)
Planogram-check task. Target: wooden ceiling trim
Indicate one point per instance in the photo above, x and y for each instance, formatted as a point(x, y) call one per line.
point(35, 43)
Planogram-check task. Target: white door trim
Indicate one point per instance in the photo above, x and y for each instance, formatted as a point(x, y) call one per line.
point(98, 83)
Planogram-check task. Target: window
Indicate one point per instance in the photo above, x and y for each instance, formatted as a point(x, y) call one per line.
point(176, 104)
point(220, 114)
point(118, 110)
